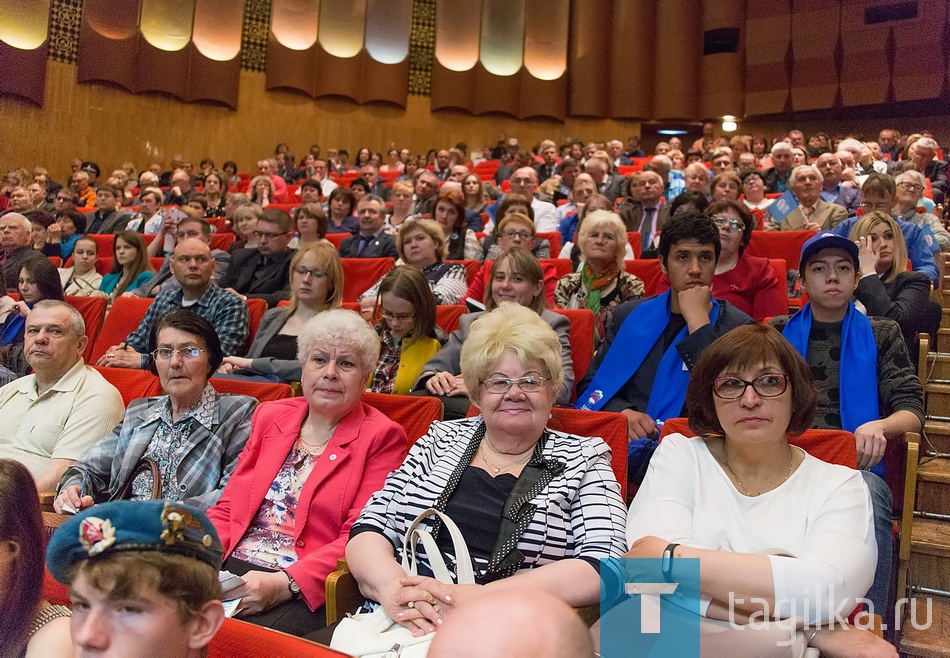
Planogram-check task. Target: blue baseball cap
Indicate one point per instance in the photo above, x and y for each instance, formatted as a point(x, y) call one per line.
point(126, 525)
point(827, 240)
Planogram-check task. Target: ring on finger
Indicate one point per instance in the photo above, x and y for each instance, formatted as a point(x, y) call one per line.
point(431, 600)
point(411, 604)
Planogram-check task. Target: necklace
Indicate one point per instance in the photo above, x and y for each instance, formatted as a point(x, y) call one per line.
point(791, 463)
point(500, 469)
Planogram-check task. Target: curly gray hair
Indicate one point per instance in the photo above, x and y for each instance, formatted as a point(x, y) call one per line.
point(340, 327)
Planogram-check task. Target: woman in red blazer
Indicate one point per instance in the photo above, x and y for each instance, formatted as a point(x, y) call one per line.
point(306, 472)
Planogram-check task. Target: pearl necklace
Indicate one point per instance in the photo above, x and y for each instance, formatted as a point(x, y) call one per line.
point(791, 463)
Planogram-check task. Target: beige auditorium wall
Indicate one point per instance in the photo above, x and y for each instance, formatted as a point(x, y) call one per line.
point(867, 128)
point(108, 125)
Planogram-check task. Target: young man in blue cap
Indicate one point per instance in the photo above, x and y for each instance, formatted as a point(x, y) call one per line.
point(143, 579)
point(865, 379)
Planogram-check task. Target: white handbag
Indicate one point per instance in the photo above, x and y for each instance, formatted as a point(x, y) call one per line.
point(374, 634)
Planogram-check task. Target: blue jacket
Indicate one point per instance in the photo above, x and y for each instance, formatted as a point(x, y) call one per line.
point(921, 257)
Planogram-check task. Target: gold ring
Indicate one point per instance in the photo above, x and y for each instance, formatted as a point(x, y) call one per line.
point(411, 604)
point(432, 600)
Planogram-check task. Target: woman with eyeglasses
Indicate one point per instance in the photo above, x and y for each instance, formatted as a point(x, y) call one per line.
point(316, 284)
point(193, 433)
point(308, 469)
point(779, 535)
point(747, 282)
point(421, 244)
point(514, 204)
point(536, 507)
point(406, 327)
point(892, 291)
point(753, 190)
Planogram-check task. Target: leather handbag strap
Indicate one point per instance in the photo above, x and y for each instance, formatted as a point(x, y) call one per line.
point(415, 534)
point(143, 465)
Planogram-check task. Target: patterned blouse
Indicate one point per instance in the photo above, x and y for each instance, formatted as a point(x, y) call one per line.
point(571, 293)
point(269, 542)
point(170, 443)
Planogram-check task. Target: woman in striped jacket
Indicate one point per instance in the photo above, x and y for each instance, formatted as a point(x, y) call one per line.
point(535, 506)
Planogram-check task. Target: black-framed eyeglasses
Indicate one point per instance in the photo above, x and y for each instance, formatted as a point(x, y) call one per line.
point(512, 234)
point(398, 317)
point(316, 273)
point(734, 224)
point(166, 353)
point(769, 385)
point(911, 186)
point(527, 384)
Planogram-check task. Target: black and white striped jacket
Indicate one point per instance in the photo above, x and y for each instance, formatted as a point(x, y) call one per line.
point(578, 513)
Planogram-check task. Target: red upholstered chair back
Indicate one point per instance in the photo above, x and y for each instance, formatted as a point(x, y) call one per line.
point(337, 238)
point(239, 639)
point(471, 268)
point(608, 425)
point(581, 339)
point(635, 240)
point(832, 446)
point(779, 244)
point(123, 318)
point(93, 311)
point(414, 413)
point(132, 384)
point(554, 238)
point(222, 241)
point(563, 265)
point(263, 391)
point(255, 310)
point(447, 316)
point(648, 271)
point(361, 273)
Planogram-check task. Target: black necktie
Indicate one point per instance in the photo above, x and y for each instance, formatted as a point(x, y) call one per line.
point(364, 240)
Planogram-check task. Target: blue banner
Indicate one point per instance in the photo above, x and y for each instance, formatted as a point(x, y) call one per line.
point(782, 206)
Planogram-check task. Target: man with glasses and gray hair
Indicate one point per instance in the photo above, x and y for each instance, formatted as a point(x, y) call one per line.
point(192, 265)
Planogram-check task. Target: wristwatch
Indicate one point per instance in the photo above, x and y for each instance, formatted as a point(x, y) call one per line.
point(292, 586)
point(667, 562)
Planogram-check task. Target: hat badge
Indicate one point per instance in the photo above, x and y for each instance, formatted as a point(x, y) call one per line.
point(96, 535)
point(177, 523)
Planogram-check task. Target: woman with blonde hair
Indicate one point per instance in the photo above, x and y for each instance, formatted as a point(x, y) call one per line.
point(406, 328)
point(316, 284)
point(886, 288)
point(421, 244)
point(401, 202)
point(602, 284)
point(262, 191)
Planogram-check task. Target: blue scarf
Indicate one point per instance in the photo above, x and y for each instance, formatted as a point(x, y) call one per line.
point(636, 338)
point(857, 379)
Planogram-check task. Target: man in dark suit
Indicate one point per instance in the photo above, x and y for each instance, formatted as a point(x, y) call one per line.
point(935, 170)
point(371, 241)
point(109, 217)
point(426, 189)
point(611, 187)
point(264, 272)
point(617, 156)
point(549, 166)
point(832, 189)
point(651, 215)
point(16, 247)
point(370, 173)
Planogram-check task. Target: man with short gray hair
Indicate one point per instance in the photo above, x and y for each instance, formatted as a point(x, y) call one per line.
point(925, 149)
point(54, 415)
point(776, 177)
point(16, 247)
point(813, 213)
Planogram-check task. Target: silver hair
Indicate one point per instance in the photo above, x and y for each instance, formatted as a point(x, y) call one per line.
point(780, 146)
point(341, 327)
point(927, 143)
point(661, 160)
point(913, 174)
point(148, 177)
point(797, 171)
point(79, 324)
point(25, 223)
